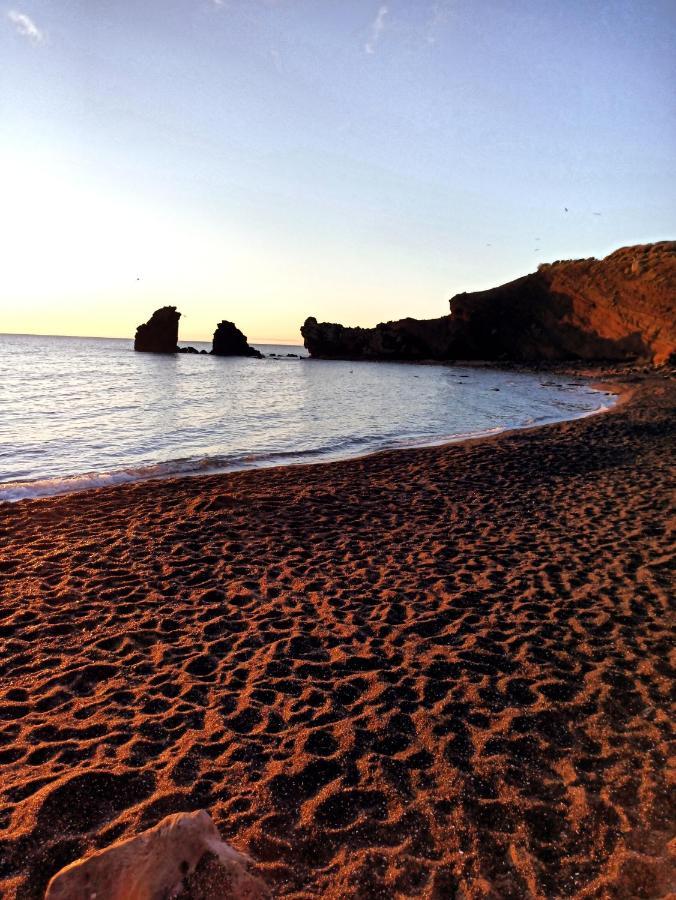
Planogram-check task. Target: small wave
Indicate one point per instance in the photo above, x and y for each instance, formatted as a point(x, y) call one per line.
point(66, 484)
point(345, 448)
point(11, 492)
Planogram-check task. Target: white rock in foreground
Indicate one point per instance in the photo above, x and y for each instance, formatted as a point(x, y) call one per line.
point(155, 863)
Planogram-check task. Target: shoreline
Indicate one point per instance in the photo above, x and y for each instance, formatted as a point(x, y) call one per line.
point(178, 469)
point(425, 672)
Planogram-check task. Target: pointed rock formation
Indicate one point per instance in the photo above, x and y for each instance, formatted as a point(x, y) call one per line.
point(229, 341)
point(160, 333)
point(622, 307)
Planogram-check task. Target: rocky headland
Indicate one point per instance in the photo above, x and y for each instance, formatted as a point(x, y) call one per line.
point(621, 308)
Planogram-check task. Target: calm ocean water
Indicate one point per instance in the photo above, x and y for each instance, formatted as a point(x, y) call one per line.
point(86, 412)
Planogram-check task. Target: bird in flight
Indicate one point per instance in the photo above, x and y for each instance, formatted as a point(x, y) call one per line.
point(565, 209)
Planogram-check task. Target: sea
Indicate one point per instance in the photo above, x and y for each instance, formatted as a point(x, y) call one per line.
point(78, 413)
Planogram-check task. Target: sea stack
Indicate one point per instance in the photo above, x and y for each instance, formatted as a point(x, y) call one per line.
point(160, 333)
point(229, 341)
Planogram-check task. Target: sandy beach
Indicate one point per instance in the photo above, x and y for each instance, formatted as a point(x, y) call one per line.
point(436, 672)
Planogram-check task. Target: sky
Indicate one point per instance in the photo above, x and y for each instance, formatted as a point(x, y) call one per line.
point(267, 160)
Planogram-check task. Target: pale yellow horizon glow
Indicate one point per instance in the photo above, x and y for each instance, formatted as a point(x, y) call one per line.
point(81, 259)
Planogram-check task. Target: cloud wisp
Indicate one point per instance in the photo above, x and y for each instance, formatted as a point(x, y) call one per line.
point(25, 26)
point(377, 28)
point(439, 15)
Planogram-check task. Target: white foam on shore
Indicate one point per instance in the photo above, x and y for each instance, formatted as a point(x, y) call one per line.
point(12, 492)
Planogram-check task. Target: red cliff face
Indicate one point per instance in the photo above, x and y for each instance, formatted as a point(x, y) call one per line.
point(620, 308)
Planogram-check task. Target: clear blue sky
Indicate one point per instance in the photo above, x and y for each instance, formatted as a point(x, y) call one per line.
point(265, 160)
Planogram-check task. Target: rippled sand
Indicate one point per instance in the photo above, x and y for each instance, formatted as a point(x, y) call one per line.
point(432, 673)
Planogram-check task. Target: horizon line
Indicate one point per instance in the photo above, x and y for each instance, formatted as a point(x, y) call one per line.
point(103, 337)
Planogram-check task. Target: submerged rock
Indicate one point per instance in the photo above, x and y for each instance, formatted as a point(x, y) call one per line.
point(229, 341)
point(160, 333)
point(619, 308)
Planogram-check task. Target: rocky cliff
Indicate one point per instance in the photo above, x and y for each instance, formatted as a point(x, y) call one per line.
point(160, 333)
point(229, 341)
point(620, 308)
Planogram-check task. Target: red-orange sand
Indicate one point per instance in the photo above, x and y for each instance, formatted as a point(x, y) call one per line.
point(437, 673)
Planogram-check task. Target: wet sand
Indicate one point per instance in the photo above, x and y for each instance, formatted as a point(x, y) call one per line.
point(437, 672)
